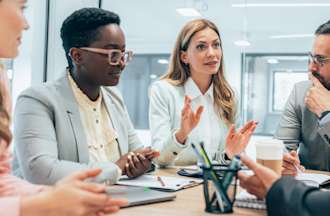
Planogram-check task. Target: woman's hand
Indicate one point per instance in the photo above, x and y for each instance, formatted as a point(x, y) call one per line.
point(189, 120)
point(237, 142)
point(72, 196)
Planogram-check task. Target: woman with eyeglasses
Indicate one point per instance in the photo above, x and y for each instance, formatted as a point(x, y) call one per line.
point(71, 196)
point(80, 121)
point(193, 102)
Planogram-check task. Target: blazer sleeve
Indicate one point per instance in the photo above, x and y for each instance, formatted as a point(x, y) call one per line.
point(289, 129)
point(324, 129)
point(290, 197)
point(162, 135)
point(36, 146)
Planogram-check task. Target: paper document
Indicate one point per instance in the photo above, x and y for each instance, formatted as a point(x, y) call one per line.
point(314, 179)
point(160, 182)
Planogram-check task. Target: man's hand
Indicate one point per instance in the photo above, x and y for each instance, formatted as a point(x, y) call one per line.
point(259, 183)
point(317, 98)
point(291, 163)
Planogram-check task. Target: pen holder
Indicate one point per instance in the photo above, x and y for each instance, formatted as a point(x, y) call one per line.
point(220, 198)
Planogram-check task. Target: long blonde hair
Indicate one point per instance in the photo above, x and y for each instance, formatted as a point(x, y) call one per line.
point(178, 72)
point(4, 115)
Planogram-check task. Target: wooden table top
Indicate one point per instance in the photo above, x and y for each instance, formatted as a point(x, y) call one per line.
point(187, 202)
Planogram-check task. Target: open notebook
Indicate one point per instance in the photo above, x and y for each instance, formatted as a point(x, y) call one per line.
point(314, 179)
point(247, 200)
point(164, 183)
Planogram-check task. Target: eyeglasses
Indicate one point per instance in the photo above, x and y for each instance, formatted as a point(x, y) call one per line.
point(319, 60)
point(114, 55)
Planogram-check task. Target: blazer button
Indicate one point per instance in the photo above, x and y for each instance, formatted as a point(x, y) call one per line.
point(175, 153)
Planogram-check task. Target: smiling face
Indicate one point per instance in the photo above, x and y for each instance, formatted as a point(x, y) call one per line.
point(204, 53)
point(95, 66)
point(12, 23)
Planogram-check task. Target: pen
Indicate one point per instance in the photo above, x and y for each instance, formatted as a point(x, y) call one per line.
point(299, 171)
point(161, 181)
point(199, 156)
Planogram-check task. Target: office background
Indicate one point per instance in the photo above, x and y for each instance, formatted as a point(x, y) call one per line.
point(265, 47)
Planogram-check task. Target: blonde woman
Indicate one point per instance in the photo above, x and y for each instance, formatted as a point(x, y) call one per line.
point(70, 196)
point(193, 101)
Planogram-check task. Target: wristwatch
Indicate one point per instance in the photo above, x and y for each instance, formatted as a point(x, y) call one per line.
point(324, 114)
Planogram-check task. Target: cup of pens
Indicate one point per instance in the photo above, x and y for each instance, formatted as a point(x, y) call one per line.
point(220, 182)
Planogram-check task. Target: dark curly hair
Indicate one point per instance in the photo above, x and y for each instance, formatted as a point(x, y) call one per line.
point(82, 28)
point(323, 29)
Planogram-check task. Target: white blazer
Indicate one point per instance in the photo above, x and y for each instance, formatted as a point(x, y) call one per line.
point(166, 103)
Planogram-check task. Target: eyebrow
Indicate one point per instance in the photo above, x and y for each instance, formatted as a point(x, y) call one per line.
point(200, 41)
point(114, 46)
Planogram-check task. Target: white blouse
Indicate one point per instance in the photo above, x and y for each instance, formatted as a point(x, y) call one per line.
point(166, 103)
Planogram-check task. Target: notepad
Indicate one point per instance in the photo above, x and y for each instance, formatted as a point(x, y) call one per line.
point(167, 184)
point(314, 179)
point(247, 200)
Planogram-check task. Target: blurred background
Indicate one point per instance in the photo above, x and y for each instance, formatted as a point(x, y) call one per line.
point(265, 46)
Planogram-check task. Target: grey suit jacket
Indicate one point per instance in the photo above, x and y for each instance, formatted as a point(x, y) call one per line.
point(50, 142)
point(299, 127)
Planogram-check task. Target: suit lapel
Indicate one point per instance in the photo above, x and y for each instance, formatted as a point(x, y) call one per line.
point(110, 106)
point(71, 106)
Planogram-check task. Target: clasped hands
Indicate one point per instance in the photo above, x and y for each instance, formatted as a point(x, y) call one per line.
point(137, 162)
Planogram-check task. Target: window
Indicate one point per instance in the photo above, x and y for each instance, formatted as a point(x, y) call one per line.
point(267, 83)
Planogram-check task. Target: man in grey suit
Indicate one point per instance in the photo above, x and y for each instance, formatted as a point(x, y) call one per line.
point(76, 122)
point(305, 122)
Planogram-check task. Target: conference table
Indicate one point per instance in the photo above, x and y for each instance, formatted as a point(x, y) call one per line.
point(189, 201)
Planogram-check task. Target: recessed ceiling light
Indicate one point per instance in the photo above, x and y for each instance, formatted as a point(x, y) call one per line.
point(188, 12)
point(242, 43)
point(281, 5)
point(272, 61)
point(162, 61)
point(291, 36)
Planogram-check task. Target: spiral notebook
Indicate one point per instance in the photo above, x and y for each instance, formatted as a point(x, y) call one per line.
point(247, 200)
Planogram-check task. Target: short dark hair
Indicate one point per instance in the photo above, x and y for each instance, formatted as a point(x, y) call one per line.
point(82, 27)
point(323, 29)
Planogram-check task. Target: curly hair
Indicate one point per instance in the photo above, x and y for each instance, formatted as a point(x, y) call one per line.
point(82, 28)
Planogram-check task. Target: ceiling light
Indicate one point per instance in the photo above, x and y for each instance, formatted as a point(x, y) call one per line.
point(291, 36)
point(281, 5)
point(153, 76)
point(272, 61)
point(188, 12)
point(162, 61)
point(242, 43)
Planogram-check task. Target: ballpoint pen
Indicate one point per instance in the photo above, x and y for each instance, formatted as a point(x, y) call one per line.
point(161, 181)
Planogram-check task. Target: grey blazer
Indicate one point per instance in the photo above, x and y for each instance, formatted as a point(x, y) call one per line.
point(299, 127)
point(50, 142)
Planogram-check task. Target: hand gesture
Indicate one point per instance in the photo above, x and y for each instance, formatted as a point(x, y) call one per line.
point(237, 142)
point(189, 120)
point(317, 98)
point(72, 196)
point(259, 183)
point(291, 164)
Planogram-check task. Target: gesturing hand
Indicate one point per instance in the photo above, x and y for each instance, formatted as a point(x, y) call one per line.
point(259, 183)
point(237, 142)
point(189, 120)
point(317, 98)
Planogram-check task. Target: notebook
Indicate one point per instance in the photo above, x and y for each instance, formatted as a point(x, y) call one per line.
point(314, 179)
point(247, 200)
point(165, 183)
point(138, 195)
